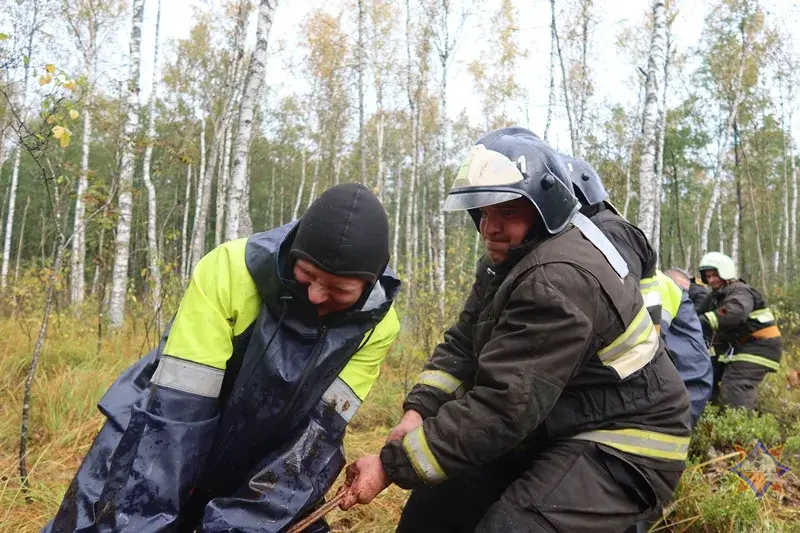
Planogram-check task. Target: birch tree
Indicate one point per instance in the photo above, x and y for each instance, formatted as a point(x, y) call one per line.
point(648, 194)
point(252, 86)
point(748, 21)
point(119, 276)
point(153, 261)
point(29, 25)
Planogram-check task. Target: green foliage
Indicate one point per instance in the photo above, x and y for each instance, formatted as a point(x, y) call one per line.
point(726, 428)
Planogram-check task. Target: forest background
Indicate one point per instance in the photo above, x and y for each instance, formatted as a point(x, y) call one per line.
point(135, 136)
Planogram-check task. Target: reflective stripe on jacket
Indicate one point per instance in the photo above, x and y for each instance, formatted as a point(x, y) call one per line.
point(242, 402)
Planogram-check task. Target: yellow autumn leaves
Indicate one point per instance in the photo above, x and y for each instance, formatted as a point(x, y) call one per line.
point(60, 132)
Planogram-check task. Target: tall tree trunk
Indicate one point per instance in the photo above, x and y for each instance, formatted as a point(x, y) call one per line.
point(551, 95)
point(398, 194)
point(313, 193)
point(720, 226)
point(78, 252)
point(252, 86)
point(567, 104)
point(272, 195)
point(648, 198)
point(152, 239)
point(3, 204)
point(793, 215)
point(119, 277)
point(12, 193)
point(362, 156)
point(723, 147)
point(737, 238)
point(12, 199)
point(198, 246)
point(185, 226)
point(296, 210)
point(759, 251)
point(222, 186)
point(21, 238)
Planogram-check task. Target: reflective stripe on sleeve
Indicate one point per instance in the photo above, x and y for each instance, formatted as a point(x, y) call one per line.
point(186, 376)
point(764, 316)
point(750, 358)
point(634, 348)
point(422, 459)
point(440, 380)
point(666, 316)
point(713, 321)
point(342, 398)
point(640, 442)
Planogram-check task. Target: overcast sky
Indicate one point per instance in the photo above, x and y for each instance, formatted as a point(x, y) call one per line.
point(611, 70)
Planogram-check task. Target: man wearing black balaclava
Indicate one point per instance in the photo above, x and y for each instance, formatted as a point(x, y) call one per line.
point(235, 421)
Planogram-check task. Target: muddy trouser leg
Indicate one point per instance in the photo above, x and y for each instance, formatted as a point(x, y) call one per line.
point(581, 486)
point(739, 382)
point(457, 504)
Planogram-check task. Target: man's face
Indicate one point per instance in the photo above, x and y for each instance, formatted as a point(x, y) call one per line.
point(713, 279)
point(328, 292)
point(506, 225)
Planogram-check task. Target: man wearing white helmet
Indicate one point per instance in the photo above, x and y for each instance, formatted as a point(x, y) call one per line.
point(740, 329)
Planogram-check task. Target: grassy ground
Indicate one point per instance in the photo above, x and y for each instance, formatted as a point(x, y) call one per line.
point(72, 377)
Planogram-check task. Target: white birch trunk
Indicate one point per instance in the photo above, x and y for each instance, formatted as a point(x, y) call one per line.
point(381, 130)
point(723, 147)
point(12, 192)
point(198, 246)
point(360, 49)
point(719, 226)
point(119, 277)
point(272, 194)
point(313, 194)
point(735, 236)
point(793, 215)
point(152, 238)
point(785, 251)
point(655, 67)
point(199, 190)
point(296, 209)
point(185, 226)
point(222, 186)
point(252, 86)
point(12, 198)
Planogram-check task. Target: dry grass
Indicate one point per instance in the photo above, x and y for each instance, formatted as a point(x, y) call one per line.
point(72, 378)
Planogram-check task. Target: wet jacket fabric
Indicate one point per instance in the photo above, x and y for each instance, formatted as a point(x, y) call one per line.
point(741, 326)
point(683, 335)
point(698, 294)
point(634, 247)
point(550, 345)
point(235, 422)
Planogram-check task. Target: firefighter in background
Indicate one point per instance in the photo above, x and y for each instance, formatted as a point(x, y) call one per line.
point(740, 329)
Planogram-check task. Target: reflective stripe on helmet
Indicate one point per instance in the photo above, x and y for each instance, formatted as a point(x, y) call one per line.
point(750, 358)
point(601, 242)
point(634, 348)
point(342, 398)
point(440, 380)
point(186, 376)
point(640, 442)
point(713, 321)
point(422, 459)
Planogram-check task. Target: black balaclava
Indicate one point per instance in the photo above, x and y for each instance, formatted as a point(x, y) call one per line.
point(344, 232)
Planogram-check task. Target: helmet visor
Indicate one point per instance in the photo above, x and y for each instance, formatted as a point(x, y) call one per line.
point(472, 199)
